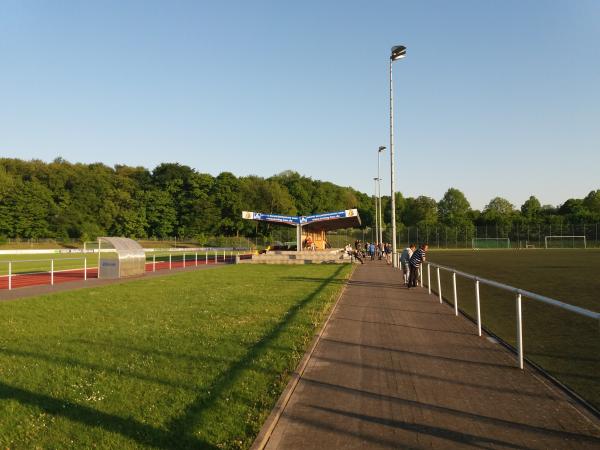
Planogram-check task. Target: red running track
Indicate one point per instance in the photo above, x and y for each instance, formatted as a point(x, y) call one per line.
point(64, 276)
point(43, 278)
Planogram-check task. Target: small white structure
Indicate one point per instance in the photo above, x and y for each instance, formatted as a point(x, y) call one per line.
point(120, 257)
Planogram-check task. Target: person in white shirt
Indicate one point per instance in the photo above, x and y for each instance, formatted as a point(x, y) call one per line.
point(404, 261)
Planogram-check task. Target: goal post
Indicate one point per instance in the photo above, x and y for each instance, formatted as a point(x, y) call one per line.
point(565, 242)
point(478, 243)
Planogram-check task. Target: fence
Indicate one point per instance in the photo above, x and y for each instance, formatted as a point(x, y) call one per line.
point(561, 339)
point(18, 273)
point(519, 235)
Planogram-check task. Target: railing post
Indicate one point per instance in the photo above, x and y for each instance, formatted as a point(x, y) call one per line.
point(520, 331)
point(478, 305)
point(196, 258)
point(429, 278)
point(154, 262)
point(170, 261)
point(421, 275)
point(223, 255)
point(439, 284)
point(52, 272)
point(9, 275)
point(85, 268)
point(455, 294)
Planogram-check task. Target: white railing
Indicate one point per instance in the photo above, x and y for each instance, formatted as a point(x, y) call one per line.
point(36, 268)
point(519, 293)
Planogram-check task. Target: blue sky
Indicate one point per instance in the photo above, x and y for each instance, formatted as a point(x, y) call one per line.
point(494, 98)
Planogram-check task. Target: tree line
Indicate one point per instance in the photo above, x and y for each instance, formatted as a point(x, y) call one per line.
point(64, 200)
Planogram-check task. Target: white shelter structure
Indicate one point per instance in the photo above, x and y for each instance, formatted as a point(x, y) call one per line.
point(120, 257)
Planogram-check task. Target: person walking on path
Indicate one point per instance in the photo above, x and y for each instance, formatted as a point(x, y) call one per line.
point(372, 251)
point(404, 261)
point(417, 258)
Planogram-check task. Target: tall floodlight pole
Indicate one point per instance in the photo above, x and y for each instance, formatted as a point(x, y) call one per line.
point(398, 52)
point(376, 180)
point(381, 148)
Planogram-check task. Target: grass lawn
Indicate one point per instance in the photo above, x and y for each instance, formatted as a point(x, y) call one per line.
point(563, 343)
point(189, 360)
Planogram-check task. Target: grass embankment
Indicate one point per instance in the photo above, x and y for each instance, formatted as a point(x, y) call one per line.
point(563, 343)
point(190, 360)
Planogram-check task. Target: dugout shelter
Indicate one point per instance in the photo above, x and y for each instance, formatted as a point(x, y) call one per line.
point(314, 226)
point(120, 257)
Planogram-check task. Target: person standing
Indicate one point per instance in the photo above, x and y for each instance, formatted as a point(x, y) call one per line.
point(417, 258)
point(372, 251)
point(404, 261)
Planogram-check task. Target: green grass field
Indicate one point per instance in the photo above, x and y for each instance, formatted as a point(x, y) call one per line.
point(563, 343)
point(189, 360)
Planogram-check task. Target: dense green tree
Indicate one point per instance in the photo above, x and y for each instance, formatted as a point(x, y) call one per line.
point(531, 209)
point(498, 210)
point(65, 200)
point(453, 208)
point(421, 211)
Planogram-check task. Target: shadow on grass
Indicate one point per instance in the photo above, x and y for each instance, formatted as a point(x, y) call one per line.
point(192, 417)
point(179, 432)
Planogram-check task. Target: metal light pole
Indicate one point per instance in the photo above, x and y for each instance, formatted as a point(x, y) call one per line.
point(376, 180)
point(381, 148)
point(398, 52)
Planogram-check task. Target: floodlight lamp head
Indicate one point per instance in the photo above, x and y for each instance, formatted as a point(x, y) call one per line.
point(381, 148)
point(398, 52)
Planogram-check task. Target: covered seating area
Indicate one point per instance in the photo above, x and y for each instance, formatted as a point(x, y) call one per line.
point(311, 230)
point(120, 257)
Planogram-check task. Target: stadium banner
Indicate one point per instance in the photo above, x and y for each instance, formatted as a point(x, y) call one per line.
point(290, 220)
point(329, 216)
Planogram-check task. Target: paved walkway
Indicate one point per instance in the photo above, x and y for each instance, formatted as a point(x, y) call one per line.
point(396, 369)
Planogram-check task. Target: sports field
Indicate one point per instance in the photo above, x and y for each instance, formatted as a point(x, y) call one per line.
point(189, 360)
point(563, 343)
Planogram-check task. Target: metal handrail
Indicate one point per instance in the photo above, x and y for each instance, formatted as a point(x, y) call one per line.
point(523, 292)
point(519, 293)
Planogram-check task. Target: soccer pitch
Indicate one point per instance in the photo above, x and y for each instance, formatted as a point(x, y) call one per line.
point(189, 360)
point(563, 343)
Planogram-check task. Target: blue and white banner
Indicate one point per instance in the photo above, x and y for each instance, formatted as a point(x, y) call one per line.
point(291, 220)
point(302, 220)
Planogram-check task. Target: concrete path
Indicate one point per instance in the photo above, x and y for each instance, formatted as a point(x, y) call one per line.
point(396, 369)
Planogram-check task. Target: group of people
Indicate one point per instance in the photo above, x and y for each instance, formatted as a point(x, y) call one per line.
point(411, 260)
point(411, 257)
point(373, 250)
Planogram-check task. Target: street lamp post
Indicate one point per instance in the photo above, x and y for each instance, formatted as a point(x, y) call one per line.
point(377, 224)
point(381, 148)
point(398, 52)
